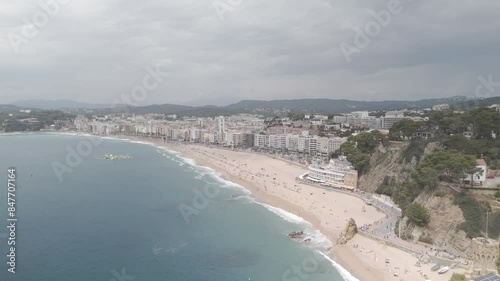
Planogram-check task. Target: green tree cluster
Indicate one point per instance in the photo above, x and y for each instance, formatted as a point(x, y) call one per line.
point(448, 165)
point(359, 148)
point(487, 148)
point(494, 225)
point(387, 187)
point(295, 116)
point(417, 214)
point(403, 128)
point(13, 125)
point(472, 214)
point(43, 118)
point(415, 149)
point(484, 121)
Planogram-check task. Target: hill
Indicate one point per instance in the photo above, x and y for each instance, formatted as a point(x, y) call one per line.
point(339, 105)
point(267, 108)
point(9, 108)
point(58, 104)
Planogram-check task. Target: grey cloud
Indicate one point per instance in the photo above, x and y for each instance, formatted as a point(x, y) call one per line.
point(94, 51)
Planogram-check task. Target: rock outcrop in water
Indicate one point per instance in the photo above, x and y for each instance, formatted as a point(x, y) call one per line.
point(350, 230)
point(295, 234)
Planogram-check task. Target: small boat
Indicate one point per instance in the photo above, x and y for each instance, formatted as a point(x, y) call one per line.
point(436, 267)
point(443, 270)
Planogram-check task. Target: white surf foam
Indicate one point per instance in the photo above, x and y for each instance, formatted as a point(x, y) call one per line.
point(346, 275)
point(285, 215)
point(188, 161)
point(246, 198)
point(318, 239)
point(319, 242)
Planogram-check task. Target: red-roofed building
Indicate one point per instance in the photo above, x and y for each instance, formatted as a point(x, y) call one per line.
point(481, 162)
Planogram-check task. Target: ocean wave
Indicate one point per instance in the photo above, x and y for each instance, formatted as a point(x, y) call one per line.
point(141, 142)
point(285, 215)
point(203, 171)
point(317, 239)
point(244, 197)
point(346, 275)
point(188, 161)
point(166, 149)
point(226, 183)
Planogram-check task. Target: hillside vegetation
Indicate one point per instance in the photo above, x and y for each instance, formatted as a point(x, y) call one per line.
point(419, 174)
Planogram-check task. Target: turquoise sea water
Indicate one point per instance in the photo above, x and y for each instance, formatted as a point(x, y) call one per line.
point(153, 217)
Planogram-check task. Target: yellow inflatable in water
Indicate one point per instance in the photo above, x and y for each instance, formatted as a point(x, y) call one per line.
point(116, 157)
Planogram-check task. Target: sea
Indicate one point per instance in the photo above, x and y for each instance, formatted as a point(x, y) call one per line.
point(154, 216)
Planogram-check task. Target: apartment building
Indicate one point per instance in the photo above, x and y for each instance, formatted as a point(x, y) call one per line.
point(390, 118)
point(261, 141)
point(277, 141)
point(292, 142)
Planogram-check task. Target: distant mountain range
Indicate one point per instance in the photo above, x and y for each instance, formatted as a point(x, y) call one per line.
point(9, 108)
point(273, 107)
point(59, 104)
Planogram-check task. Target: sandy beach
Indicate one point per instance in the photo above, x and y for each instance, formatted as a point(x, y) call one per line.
point(272, 181)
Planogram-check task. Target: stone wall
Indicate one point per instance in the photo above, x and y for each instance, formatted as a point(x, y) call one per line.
point(484, 252)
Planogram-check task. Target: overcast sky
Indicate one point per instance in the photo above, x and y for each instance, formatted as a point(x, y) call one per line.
point(98, 50)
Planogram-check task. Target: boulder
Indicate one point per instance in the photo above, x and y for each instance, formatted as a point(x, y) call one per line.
point(350, 230)
point(295, 234)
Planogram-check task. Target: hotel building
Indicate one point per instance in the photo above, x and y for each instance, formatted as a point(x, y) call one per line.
point(339, 173)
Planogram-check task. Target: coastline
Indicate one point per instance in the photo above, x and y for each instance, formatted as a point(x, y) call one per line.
point(364, 262)
point(261, 196)
point(361, 257)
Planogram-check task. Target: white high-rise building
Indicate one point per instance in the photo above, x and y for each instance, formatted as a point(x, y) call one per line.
point(340, 119)
point(277, 141)
point(360, 114)
point(390, 118)
point(220, 128)
point(292, 142)
point(261, 141)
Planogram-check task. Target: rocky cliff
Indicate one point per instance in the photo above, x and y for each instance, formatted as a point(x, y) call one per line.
point(396, 162)
point(384, 163)
point(443, 231)
point(350, 230)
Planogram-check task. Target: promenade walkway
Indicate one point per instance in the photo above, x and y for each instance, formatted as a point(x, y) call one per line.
point(382, 230)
